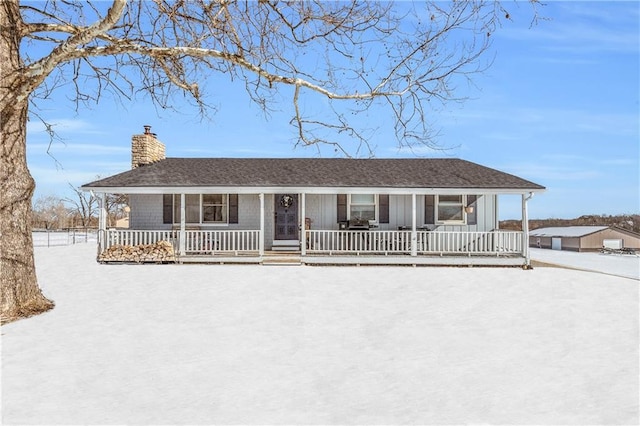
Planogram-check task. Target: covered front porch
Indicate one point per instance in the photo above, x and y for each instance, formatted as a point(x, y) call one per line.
point(359, 247)
point(334, 247)
point(389, 243)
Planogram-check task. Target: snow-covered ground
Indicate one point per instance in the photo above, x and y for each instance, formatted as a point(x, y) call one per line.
point(205, 344)
point(623, 265)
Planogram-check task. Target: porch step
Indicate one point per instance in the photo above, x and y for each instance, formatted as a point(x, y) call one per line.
point(286, 245)
point(282, 261)
point(282, 258)
point(286, 248)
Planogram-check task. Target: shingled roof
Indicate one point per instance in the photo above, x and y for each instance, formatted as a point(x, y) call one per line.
point(567, 231)
point(314, 173)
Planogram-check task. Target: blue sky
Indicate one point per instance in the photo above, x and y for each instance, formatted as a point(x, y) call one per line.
point(559, 106)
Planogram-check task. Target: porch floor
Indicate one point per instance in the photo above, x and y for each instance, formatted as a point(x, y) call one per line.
point(295, 258)
point(420, 260)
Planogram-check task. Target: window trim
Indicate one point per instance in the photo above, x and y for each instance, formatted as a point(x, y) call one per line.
point(175, 214)
point(462, 203)
point(225, 204)
point(376, 206)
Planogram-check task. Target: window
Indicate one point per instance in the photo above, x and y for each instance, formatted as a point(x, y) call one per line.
point(367, 206)
point(362, 207)
point(450, 208)
point(192, 208)
point(214, 208)
point(200, 208)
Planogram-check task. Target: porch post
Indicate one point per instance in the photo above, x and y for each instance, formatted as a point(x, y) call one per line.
point(525, 230)
point(102, 223)
point(414, 233)
point(303, 213)
point(261, 242)
point(182, 225)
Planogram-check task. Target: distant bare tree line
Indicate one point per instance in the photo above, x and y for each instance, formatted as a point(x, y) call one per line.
point(80, 210)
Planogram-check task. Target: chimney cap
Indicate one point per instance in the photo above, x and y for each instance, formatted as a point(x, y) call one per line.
point(147, 129)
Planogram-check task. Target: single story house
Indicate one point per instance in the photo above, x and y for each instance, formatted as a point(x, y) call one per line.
point(583, 238)
point(316, 210)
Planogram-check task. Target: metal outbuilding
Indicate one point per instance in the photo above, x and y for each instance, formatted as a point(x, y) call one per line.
point(583, 238)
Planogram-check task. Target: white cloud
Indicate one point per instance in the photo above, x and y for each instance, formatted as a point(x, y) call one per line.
point(77, 148)
point(63, 125)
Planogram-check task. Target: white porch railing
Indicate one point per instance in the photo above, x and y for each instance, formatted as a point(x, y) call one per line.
point(399, 242)
point(212, 242)
point(196, 242)
point(129, 237)
point(358, 241)
point(496, 242)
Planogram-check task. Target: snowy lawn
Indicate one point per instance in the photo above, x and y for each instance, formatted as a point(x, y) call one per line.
point(623, 265)
point(199, 344)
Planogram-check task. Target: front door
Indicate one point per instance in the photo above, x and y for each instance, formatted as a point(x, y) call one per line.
point(286, 217)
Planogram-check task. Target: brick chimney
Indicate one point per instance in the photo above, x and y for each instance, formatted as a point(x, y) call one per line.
point(146, 149)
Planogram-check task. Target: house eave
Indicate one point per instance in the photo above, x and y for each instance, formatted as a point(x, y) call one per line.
point(306, 190)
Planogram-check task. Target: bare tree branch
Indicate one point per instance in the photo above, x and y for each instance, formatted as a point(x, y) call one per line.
point(405, 56)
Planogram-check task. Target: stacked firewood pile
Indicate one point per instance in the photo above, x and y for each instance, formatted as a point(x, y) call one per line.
point(162, 251)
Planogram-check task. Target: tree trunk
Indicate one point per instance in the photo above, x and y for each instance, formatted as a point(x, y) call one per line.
point(21, 296)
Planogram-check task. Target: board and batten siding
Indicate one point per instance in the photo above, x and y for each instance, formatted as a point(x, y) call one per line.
point(486, 207)
point(322, 211)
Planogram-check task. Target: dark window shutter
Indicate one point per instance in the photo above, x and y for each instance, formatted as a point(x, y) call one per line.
point(233, 208)
point(342, 207)
point(167, 208)
point(429, 209)
point(472, 218)
point(383, 208)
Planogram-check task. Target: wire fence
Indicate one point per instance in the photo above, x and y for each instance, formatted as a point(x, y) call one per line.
point(63, 237)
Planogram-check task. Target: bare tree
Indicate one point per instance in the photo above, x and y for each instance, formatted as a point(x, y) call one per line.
point(49, 212)
point(347, 56)
point(116, 207)
point(84, 206)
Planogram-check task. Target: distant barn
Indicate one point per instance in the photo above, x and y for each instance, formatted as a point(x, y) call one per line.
point(583, 238)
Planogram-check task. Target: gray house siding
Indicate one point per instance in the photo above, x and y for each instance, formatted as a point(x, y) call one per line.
point(146, 214)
